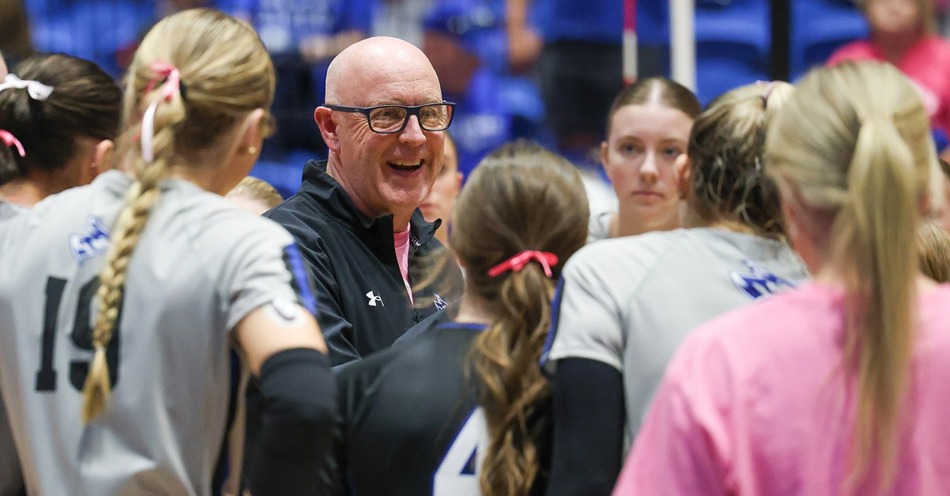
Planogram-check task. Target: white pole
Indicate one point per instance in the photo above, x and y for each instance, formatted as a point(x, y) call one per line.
point(683, 43)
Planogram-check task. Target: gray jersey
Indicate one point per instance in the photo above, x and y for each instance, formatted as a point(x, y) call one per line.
point(10, 480)
point(629, 302)
point(9, 210)
point(201, 265)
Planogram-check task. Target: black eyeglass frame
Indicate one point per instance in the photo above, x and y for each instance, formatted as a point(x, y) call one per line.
point(411, 110)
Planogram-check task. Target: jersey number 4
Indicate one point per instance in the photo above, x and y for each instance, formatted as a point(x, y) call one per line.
point(81, 336)
point(457, 475)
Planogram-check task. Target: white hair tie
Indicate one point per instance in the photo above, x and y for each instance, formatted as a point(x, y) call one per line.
point(37, 90)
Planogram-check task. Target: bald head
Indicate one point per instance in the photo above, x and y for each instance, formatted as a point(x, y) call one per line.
point(360, 67)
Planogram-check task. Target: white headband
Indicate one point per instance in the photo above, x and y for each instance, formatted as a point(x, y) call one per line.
point(37, 90)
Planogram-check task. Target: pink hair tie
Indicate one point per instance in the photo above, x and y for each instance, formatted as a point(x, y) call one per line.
point(172, 84)
point(171, 75)
point(10, 140)
point(517, 262)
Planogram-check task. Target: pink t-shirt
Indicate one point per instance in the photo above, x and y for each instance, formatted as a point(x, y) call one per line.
point(755, 403)
point(927, 64)
point(401, 241)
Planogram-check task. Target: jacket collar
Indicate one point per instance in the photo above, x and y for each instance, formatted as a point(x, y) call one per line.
point(329, 193)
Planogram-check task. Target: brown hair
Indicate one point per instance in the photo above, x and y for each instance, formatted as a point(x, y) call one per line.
point(537, 203)
point(727, 153)
point(226, 74)
point(664, 91)
point(853, 145)
point(85, 102)
point(934, 244)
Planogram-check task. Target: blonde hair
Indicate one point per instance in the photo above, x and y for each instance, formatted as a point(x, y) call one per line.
point(254, 189)
point(525, 183)
point(853, 145)
point(727, 151)
point(934, 245)
point(226, 73)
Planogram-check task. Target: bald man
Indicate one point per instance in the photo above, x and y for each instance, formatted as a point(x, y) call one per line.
point(356, 215)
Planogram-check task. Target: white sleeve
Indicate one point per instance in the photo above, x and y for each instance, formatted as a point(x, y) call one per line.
point(586, 318)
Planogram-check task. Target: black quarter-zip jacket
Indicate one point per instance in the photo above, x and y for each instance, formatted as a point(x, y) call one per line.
point(362, 300)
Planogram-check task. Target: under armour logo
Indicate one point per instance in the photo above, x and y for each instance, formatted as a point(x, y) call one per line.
point(374, 298)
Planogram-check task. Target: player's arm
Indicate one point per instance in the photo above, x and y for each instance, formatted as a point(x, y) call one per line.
point(586, 348)
point(588, 440)
point(286, 351)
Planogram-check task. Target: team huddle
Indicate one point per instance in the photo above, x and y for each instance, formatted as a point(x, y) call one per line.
point(759, 315)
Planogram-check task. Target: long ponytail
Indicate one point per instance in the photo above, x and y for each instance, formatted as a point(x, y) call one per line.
point(853, 147)
point(881, 224)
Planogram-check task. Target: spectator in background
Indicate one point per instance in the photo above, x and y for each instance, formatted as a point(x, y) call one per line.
point(401, 19)
point(441, 199)
point(482, 64)
point(302, 37)
point(580, 69)
point(60, 115)
point(255, 195)
point(904, 33)
point(648, 129)
point(15, 41)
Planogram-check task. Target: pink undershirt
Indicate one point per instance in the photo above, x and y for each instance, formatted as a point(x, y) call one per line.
point(401, 242)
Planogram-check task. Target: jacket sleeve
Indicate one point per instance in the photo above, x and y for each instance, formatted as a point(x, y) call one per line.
point(337, 331)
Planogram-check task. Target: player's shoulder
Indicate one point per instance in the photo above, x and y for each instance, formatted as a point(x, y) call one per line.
point(628, 255)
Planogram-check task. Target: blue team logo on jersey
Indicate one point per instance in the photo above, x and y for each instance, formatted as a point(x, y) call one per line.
point(94, 241)
point(758, 281)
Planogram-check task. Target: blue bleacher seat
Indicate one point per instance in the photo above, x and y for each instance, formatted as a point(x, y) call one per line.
point(819, 28)
point(93, 30)
point(733, 43)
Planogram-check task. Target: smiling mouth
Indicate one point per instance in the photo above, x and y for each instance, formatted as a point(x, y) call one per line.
point(405, 167)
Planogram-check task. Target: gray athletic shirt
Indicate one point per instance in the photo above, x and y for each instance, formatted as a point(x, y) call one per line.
point(201, 265)
point(628, 302)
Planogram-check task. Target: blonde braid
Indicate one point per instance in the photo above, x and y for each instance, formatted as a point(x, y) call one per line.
point(141, 197)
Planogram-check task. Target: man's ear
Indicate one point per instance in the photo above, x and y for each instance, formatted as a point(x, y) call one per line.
point(324, 119)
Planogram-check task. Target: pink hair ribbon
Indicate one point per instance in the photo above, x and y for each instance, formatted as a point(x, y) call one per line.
point(171, 85)
point(10, 140)
point(517, 262)
point(36, 89)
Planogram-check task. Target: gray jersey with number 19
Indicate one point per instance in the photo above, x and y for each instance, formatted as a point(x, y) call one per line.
point(200, 266)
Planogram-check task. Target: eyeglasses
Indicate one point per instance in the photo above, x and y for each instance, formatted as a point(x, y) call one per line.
point(392, 119)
